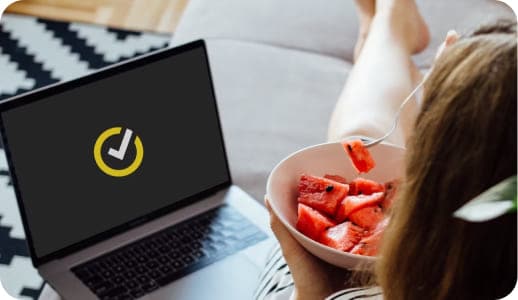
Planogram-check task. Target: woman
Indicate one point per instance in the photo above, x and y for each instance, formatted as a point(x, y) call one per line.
point(461, 142)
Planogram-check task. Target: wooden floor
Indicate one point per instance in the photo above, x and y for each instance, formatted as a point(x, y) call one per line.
point(148, 15)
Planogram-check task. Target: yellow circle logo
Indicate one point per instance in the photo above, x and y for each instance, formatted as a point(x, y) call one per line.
point(120, 153)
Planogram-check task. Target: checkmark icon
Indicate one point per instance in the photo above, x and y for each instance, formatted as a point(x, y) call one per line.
point(119, 154)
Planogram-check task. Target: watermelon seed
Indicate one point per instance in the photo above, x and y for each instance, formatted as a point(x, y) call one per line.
point(349, 147)
point(329, 188)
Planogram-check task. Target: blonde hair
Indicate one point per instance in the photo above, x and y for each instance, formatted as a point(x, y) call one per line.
point(464, 142)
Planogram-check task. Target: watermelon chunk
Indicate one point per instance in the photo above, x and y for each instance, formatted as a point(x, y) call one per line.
point(336, 178)
point(359, 155)
point(349, 217)
point(390, 194)
point(369, 244)
point(342, 237)
point(321, 193)
point(367, 217)
point(353, 203)
point(365, 186)
point(311, 222)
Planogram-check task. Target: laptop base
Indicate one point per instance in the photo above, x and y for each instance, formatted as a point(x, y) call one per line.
point(218, 280)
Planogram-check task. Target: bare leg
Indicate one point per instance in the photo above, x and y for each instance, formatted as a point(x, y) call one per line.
point(366, 10)
point(383, 75)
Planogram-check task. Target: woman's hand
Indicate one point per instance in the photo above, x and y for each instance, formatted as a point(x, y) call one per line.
point(313, 278)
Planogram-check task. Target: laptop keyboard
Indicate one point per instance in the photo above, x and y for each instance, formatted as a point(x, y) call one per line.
point(157, 260)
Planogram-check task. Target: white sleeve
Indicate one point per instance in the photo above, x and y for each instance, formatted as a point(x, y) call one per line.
point(364, 293)
point(275, 282)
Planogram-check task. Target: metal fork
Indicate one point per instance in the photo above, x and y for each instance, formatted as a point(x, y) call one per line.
point(398, 113)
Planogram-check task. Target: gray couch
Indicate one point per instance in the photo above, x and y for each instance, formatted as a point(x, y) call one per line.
point(279, 67)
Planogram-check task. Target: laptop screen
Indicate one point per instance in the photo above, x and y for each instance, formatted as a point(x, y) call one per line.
point(99, 155)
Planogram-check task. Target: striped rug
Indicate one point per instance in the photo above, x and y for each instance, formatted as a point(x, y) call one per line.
point(34, 53)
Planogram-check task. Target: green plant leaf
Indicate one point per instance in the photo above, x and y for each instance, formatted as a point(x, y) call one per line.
point(491, 204)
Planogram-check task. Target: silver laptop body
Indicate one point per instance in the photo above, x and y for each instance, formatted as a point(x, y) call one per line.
point(233, 276)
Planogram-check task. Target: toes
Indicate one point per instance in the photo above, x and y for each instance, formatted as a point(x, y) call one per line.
point(451, 38)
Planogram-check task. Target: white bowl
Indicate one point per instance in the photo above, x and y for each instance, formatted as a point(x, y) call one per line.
point(329, 158)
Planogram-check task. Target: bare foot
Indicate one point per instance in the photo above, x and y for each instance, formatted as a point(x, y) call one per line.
point(366, 10)
point(406, 22)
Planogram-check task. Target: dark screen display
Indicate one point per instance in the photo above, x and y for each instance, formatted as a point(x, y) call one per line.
point(100, 155)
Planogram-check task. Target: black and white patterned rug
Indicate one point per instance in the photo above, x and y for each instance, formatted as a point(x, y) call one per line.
point(34, 53)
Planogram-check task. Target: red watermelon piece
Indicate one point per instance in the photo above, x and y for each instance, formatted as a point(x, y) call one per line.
point(367, 217)
point(311, 222)
point(349, 217)
point(342, 237)
point(353, 203)
point(359, 155)
point(365, 186)
point(390, 193)
point(369, 244)
point(321, 193)
point(336, 178)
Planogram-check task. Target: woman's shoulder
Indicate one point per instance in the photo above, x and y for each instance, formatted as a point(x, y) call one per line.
point(370, 293)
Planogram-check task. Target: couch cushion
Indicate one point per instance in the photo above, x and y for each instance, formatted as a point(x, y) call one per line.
point(328, 27)
point(272, 102)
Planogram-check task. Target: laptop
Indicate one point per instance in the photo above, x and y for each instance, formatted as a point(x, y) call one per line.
point(124, 187)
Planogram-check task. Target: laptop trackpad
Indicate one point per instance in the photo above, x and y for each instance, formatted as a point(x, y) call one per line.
point(232, 278)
